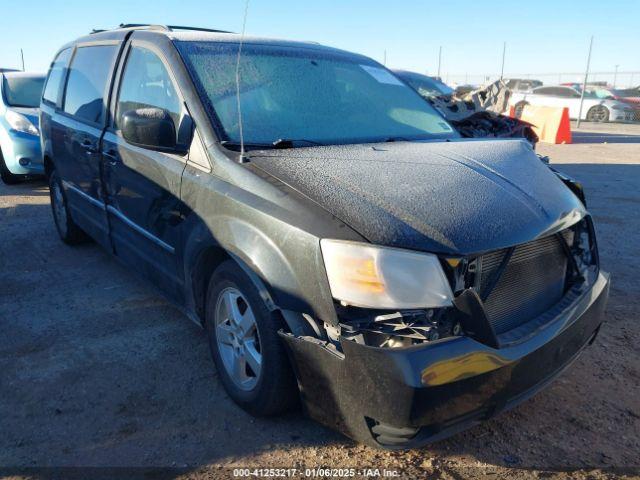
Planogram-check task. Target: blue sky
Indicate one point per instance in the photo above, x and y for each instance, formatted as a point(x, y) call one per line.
point(542, 36)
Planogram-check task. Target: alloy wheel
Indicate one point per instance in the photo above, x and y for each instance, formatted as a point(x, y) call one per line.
point(238, 339)
point(599, 114)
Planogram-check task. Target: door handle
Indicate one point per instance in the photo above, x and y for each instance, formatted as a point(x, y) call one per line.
point(89, 146)
point(112, 156)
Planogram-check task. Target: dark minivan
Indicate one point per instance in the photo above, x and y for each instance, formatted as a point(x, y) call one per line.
point(338, 240)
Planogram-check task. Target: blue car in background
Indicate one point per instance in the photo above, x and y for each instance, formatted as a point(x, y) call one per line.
point(20, 153)
point(424, 85)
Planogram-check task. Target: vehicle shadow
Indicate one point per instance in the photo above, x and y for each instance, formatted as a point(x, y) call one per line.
point(33, 187)
point(104, 372)
point(598, 137)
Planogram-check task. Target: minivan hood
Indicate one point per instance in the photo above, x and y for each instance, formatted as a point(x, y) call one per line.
point(459, 197)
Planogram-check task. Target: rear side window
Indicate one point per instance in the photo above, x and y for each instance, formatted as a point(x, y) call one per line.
point(146, 83)
point(86, 86)
point(56, 74)
point(547, 91)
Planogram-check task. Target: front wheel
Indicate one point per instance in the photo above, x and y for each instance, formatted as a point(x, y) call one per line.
point(69, 232)
point(599, 114)
point(246, 348)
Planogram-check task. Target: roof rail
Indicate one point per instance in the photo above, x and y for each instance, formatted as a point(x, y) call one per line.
point(166, 28)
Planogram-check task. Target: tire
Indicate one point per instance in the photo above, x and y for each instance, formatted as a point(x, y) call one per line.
point(518, 109)
point(262, 384)
point(8, 177)
point(599, 114)
point(69, 232)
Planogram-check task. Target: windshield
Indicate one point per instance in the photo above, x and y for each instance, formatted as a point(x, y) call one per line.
point(23, 91)
point(307, 95)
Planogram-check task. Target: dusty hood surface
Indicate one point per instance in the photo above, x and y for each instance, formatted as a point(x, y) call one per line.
point(458, 197)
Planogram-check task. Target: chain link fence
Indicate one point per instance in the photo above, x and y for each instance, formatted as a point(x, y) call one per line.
point(621, 79)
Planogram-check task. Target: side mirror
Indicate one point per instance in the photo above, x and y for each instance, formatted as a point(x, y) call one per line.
point(151, 128)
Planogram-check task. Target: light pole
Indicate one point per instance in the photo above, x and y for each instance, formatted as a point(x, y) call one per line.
point(439, 60)
point(615, 76)
point(504, 50)
point(584, 85)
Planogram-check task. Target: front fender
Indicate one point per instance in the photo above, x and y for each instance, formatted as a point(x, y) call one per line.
point(288, 281)
point(268, 227)
point(287, 260)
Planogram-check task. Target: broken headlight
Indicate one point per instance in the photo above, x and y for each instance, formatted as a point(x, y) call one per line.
point(368, 276)
point(398, 329)
point(583, 247)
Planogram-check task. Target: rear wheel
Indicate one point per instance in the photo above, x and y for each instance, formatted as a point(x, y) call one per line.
point(599, 114)
point(8, 177)
point(67, 229)
point(243, 336)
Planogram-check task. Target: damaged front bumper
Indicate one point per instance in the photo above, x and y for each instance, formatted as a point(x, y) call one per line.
point(407, 397)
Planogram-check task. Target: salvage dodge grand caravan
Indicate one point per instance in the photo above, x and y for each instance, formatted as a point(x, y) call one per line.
point(336, 238)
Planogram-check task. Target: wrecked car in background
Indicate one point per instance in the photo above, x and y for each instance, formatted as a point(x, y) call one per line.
point(337, 239)
point(478, 114)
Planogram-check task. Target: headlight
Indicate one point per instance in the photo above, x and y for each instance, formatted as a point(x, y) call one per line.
point(367, 276)
point(20, 123)
point(618, 107)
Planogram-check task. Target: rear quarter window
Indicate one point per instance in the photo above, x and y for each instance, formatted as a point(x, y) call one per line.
point(88, 77)
point(56, 74)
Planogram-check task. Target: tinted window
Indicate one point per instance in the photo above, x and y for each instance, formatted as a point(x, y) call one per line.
point(56, 74)
point(88, 77)
point(566, 92)
point(22, 90)
point(543, 91)
point(557, 91)
point(146, 83)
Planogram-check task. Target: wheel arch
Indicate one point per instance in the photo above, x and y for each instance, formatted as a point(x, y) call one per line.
point(47, 157)
point(267, 270)
point(48, 165)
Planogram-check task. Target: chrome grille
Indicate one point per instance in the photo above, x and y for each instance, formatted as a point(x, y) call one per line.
point(531, 283)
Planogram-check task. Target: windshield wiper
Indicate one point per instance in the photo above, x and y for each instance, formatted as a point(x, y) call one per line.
point(280, 143)
point(248, 146)
point(292, 143)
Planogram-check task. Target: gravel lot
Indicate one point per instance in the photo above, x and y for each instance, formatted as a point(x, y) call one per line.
point(96, 369)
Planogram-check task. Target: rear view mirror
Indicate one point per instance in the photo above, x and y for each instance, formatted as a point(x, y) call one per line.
point(151, 128)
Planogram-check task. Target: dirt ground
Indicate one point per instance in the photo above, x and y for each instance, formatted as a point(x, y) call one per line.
point(98, 370)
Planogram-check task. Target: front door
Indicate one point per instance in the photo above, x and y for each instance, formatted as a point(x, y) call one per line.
point(143, 186)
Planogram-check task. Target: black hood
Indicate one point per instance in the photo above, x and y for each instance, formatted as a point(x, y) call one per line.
point(459, 197)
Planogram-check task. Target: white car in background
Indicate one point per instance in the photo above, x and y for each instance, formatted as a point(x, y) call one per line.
point(594, 109)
